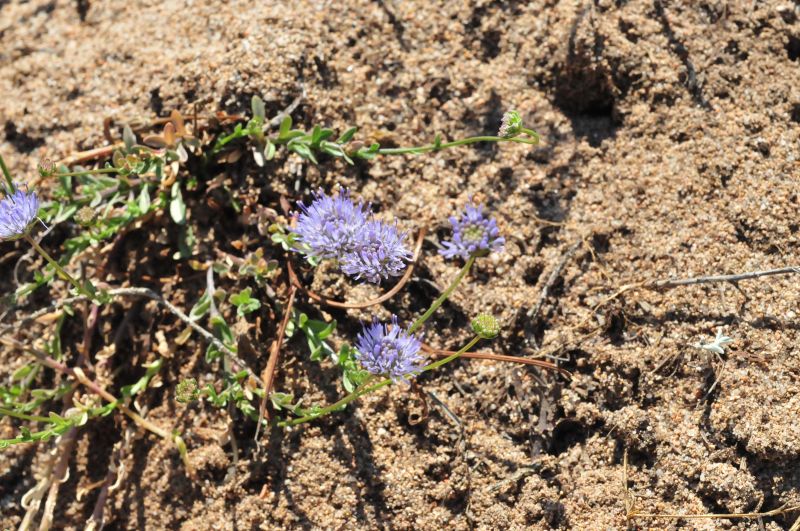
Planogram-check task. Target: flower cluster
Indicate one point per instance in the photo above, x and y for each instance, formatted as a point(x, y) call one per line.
point(17, 211)
point(389, 351)
point(337, 228)
point(474, 234)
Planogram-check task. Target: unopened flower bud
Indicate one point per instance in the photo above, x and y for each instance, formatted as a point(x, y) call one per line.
point(485, 326)
point(46, 167)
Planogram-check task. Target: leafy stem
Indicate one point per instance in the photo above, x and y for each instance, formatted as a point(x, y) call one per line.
point(320, 140)
point(531, 139)
point(22, 416)
point(60, 270)
point(365, 388)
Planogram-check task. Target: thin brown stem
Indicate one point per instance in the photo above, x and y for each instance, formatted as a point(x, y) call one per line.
point(268, 376)
point(499, 357)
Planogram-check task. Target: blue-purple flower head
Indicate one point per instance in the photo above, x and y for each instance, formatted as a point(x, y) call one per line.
point(18, 210)
point(389, 351)
point(336, 228)
point(474, 234)
point(380, 253)
point(329, 226)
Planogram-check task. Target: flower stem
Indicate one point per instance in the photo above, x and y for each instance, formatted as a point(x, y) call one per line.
point(534, 139)
point(60, 270)
point(451, 357)
point(443, 297)
point(365, 389)
point(361, 391)
point(7, 175)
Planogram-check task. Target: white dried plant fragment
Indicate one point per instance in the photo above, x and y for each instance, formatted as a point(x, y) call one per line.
point(718, 345)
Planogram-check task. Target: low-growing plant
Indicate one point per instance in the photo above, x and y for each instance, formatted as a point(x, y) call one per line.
point(142, 180)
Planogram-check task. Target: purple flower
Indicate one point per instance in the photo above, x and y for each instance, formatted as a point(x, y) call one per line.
point(473, 235)
point(328, 227)
point(336, 228)
point(388, 351)
point(17, 211)
point(380, 252)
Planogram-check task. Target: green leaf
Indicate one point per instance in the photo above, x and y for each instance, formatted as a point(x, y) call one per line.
point(223, 331)
point(201, 307)
point(186, 241)
point(286, 125)
point(347, 136)
point(21, 373)
point(352, 378)
point(128, 138)
point(257, 105)
point(304, 151)
point(177, 208)
point(56, 419)
point(316, 133)
point(321, 329)
point(144, 200)
point(316, 332)
point(281, 400)
point(245, 303)
point(141, 383)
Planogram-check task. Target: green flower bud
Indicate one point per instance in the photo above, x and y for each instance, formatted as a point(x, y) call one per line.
point(187, 391)
point(485, 326)
point(46, 167)
point(511, 125)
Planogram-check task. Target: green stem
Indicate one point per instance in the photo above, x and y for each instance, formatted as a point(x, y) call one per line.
point(22, 416)
point(86, 172)
point(451, 357)
point(443, 297)
point(7, 175)
point(60, 270)
point(363, 389)
point(534, 139)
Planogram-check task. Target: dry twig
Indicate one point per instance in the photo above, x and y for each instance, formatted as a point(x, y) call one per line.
point(630, 501)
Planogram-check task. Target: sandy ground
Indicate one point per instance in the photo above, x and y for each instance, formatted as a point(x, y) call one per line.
point(670, 148)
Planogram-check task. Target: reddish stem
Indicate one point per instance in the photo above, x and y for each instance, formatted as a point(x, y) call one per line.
point(499, 357)
point(268, 376)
